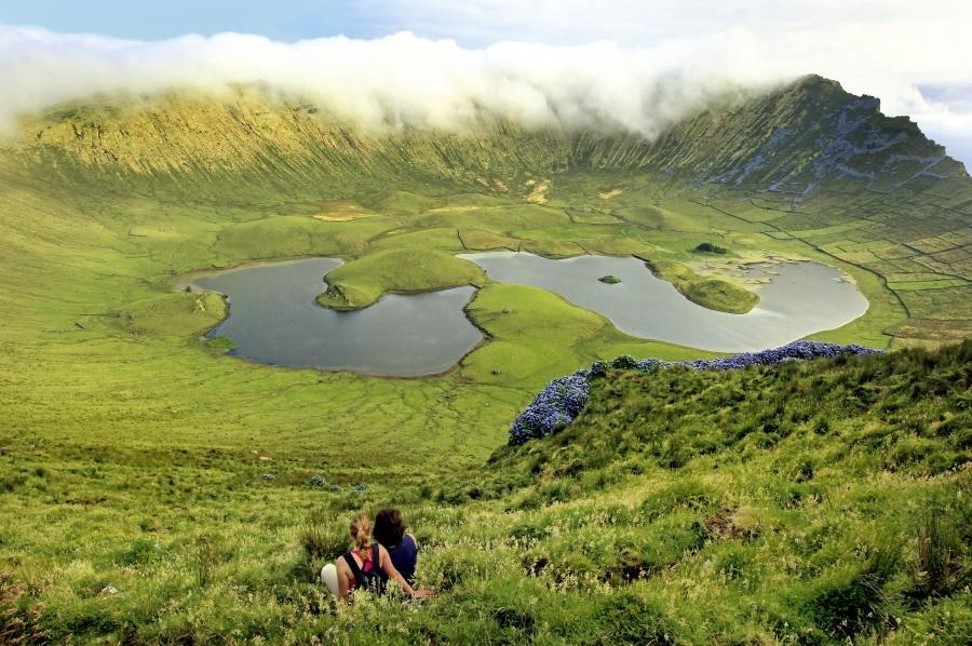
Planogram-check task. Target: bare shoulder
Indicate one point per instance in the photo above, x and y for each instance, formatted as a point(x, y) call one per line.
point(341, 564)
point(384, 558)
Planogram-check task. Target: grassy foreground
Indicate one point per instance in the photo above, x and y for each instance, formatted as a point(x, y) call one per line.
point(806, 503)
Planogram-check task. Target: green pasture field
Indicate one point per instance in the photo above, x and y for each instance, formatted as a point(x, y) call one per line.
point(154, 489)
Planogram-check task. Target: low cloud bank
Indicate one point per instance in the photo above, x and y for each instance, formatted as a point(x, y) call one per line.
point(403, 79)
point(389, 82)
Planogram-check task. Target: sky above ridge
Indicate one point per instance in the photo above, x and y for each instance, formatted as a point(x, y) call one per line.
point(914, 56)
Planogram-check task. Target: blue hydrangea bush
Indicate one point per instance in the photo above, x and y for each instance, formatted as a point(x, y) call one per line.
point(796, 351)
point(564, 398)
point(556, 406)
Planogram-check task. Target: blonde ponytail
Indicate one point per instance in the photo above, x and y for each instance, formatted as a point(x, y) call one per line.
point(360, 531)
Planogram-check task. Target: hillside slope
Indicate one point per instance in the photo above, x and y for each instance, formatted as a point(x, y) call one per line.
point(809, 502)
point(788, 140)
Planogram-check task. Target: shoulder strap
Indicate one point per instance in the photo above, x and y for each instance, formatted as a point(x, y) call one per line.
point(355, 570)
point(365, 579)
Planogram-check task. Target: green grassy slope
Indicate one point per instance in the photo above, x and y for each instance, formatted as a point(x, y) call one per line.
point(808, 503)
point(135, 456)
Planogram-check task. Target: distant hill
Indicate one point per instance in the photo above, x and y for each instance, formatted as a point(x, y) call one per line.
point(805, 162)
point(788, 141)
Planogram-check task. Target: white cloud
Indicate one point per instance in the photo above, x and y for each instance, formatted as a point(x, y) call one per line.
point(887, 48)
point(392, 81)
point(623, 63)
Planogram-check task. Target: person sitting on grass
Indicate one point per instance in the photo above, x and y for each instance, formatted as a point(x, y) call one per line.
point(402, 547)
point(366, 565)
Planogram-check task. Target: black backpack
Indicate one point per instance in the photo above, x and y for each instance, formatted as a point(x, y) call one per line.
point(373, 580)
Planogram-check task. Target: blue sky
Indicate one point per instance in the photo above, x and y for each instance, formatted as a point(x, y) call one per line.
point(285, 20)
point(914, 56)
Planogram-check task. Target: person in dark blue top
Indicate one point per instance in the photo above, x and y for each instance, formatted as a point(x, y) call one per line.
point(389, 531)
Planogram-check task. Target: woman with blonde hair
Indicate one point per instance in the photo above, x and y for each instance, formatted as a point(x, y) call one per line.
point(366, 565)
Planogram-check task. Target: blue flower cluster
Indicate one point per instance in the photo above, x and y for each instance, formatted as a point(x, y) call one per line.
point(556, 406)
point(798, 350)
point(562, 400)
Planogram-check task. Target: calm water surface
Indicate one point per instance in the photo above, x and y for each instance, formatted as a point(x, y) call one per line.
point(274, 319)
point(803, 298)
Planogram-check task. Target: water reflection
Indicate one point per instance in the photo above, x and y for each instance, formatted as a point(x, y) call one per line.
point(273, 319)
point(802, 298)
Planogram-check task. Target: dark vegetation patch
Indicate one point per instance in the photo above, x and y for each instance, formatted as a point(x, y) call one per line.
point(708, 247)
point(20, 615)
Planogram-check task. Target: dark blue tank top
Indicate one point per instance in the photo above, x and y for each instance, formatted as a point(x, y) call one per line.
point(404, 556)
